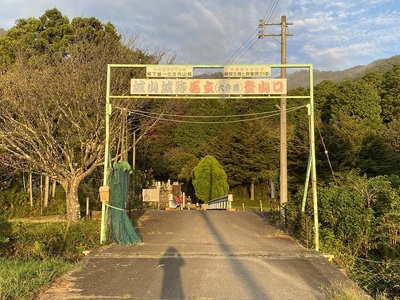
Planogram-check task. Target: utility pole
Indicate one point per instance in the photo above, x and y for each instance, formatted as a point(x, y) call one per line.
point(283, 143)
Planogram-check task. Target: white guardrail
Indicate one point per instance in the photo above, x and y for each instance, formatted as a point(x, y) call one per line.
point(224, 202)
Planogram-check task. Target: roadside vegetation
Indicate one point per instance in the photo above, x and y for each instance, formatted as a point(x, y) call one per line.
point(25, 278)
point(340, 291)
point(33, 254)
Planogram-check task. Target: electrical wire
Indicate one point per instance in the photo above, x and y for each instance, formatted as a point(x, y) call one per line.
point(327, 155)
point(238, 51)
point(253, 38)
point(164, 117)
point(208, 116)
point(247, 50)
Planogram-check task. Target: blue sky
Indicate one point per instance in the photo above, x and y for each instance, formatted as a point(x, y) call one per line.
point(332, 35)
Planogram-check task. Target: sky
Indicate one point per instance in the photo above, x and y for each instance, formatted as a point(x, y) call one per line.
point(331, 35)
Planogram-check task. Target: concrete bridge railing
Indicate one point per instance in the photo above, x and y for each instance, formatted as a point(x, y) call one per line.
point(224, 202)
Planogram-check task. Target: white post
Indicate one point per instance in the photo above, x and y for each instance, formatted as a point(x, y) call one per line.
point(170, 200)
point(87, 208)
point(230, 199)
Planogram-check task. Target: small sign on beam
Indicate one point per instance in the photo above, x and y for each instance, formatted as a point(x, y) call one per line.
point(247, 71)
point(169, 71)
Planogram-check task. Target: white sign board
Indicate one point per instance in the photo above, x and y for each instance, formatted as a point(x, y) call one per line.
point(192, 86)
point(151, 195)
point(175, 71)
point(247, 71)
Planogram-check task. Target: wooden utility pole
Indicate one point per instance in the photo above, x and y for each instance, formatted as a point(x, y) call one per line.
point(283, 144)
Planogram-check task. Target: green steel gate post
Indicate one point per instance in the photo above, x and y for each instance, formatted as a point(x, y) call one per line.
point(103, 235)
point(313, 161)
point(303, 205)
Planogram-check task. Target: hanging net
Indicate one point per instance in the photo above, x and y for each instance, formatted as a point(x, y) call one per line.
point(122, 230)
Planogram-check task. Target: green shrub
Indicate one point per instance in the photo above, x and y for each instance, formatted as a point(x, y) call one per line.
point(5, 235)
point(48, 240)
point(12, 198)
point(209, 179)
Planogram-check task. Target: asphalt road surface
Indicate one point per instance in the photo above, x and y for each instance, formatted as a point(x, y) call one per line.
point(201, 255)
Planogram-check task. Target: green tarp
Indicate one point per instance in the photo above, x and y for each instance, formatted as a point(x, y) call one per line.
point(122, 230)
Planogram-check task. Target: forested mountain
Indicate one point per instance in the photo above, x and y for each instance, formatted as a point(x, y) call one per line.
point(300, 78)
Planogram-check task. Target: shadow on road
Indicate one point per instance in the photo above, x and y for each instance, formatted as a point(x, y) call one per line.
point(237, 265)
point(172, 282)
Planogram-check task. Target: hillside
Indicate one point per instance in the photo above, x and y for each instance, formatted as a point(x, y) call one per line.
point(300, 78)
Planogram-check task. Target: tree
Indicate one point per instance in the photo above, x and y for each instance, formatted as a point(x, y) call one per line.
point(391, 133)
point(360, 216)
point(193, 135)
point(324, 93)
point(345, 214)
point(351, 114)
point(180, 163)
point(209, 179)
point(377, 157)
point(359, 100)
point(391, 94)
point(53, 97)
point(249, 153)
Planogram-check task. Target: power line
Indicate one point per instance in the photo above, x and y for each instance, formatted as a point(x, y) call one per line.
point(203, 116)
point(327, 154)
point(167, 117)
point(253, 38)
point(251, 46)
point(241, 48)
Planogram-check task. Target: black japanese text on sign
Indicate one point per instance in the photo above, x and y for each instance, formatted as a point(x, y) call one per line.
point(208, 86)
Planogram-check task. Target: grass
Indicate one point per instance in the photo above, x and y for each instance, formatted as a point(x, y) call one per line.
point(24, 278)
point(33, 254)
point(250, 205)
point(345, 291)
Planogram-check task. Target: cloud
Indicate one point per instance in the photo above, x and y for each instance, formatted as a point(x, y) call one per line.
point(337, 35)
point(329, 34)
point(338, 58)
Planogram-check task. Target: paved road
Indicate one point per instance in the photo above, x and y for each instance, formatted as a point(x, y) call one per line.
point(201, 255)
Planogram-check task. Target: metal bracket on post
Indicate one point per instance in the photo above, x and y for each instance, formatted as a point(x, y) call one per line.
point(108, 109)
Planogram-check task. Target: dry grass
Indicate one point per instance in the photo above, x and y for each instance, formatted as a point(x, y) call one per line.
point(346, 291)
